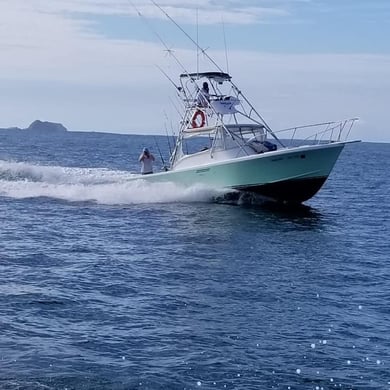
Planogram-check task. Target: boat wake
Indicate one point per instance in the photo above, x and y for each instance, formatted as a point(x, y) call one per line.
point(22, 180)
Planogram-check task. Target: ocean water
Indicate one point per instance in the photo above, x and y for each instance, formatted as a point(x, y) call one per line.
point(106, 284)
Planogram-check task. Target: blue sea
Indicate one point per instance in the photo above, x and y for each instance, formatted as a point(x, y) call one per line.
point(111, 284)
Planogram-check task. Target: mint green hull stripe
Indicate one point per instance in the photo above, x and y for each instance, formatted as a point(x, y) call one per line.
point(263, 169)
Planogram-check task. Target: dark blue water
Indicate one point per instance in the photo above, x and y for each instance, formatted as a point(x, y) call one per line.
point(106, 284)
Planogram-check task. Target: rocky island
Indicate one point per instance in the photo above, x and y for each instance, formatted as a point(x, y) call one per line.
point(40, 127)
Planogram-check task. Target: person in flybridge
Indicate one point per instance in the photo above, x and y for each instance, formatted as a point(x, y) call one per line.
point(204, 95)
point(146, 159)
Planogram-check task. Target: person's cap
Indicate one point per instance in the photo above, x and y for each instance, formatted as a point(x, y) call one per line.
point(146, 150)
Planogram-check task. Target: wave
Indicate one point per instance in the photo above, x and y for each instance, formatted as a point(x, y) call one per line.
point(22, 180)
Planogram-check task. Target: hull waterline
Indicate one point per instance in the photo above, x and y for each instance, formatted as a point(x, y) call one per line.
point(288, 191)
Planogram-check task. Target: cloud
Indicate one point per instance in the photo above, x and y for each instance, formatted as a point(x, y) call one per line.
point(48, 46)
point(55, 66)
point(185, 11)
point(299, 89)
point(210, 13)
point(57, 40)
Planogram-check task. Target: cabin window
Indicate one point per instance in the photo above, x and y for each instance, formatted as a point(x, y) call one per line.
point(196, 144)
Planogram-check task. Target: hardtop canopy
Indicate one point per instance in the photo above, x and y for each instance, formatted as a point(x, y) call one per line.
point(217, 76)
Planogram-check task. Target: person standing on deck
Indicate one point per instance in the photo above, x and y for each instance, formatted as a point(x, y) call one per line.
point(146, 159)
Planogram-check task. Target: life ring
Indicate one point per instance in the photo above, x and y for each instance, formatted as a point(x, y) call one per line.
point(194, 121)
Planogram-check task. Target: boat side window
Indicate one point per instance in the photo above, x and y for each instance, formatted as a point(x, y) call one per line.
point(219, 141)
point(196, 144)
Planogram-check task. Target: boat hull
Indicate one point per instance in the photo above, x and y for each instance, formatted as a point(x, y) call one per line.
point(289, 191)
point(288, 175)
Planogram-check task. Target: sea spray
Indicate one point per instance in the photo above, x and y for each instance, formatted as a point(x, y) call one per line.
point(100, 185)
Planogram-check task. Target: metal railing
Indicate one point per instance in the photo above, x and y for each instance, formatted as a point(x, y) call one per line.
point(318, 133)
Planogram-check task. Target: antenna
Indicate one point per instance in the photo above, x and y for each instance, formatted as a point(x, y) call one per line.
point(224, 41)
point(167, 49)
point(187, 35)
point(197, 40)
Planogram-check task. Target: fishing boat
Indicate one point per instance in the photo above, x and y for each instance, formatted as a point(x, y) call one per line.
point(224, 143)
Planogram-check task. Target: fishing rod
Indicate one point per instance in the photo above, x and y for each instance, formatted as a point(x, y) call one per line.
point(175, 106)
point(159, 151)
point(169, 142)
point(166, 133)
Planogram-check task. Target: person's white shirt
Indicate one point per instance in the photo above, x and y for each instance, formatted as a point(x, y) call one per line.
point(146, 159)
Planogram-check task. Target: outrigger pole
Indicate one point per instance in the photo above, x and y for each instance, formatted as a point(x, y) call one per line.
point(218, 67)
point(187, 35)
point(167, 49)
point(172, 82)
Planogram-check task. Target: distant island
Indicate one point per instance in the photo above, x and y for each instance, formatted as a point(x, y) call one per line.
point(40, 127)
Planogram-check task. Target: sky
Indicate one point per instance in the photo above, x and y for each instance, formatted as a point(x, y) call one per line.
point(93, 65)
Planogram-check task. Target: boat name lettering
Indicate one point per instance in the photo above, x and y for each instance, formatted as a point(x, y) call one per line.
point(202, 170)
point(295, 156)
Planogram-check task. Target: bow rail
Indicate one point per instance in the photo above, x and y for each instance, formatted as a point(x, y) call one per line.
point(326, 132)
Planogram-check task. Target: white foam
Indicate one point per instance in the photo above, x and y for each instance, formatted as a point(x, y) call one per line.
point(100, 185)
